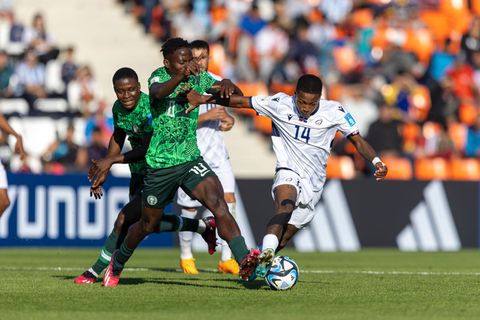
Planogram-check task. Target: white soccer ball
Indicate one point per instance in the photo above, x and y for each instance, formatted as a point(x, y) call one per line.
point(283, 273)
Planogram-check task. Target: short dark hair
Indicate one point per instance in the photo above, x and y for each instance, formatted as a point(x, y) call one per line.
point(124, 73)
point(309, 83)
point(200, 44)
point(172, 45)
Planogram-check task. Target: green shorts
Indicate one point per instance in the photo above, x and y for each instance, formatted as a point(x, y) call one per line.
point(136, 185)
point(162, 184)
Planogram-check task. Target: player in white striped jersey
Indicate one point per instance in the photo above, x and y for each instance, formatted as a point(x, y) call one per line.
point(304, 127)
point(212, 119)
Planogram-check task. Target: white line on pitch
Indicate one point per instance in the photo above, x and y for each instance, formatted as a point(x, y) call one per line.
point(367, 272)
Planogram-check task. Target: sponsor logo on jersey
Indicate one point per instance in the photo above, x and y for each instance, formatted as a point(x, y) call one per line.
point(152, 200)
point(136, 129)
point(290, 116)
point(276, 99)
point(350, 119)
point(341, 109)
point(318, 122)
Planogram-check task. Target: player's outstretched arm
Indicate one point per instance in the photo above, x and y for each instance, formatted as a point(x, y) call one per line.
point(5, 127)
point(366, 150)
point(235, 101)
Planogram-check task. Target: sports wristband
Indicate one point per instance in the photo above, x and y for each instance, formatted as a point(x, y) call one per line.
point(376, 160)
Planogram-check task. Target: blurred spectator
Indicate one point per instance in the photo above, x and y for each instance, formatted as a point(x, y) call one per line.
point(31, 78)
point(384, 134)
point(95, 150)
point(251, 23)
point(363, 110)
point(188, 25)
point(336, 10)
point(6, 73)
point(38, 38)
point(62, 155)
point(99, 120)
point(472, 147)
point(83, 92)
point(271, 44)
point(69, 66)
point(470, 42)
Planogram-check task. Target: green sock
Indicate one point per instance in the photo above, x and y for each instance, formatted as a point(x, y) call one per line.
point(176, 223)
point(121, 257)
point(105, 254)
point(239, 248)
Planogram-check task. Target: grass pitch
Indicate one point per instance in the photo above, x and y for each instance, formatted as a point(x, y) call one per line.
point(371, 284)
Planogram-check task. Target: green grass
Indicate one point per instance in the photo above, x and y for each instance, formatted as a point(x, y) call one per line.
point(371, 284)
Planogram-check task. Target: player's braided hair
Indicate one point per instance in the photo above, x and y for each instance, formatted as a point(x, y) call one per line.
point(172, 45)
point(200, 44)
point(125, 73)
point(310, 84)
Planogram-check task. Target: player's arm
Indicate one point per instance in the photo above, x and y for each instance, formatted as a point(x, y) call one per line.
point(160, 90)
point(5, 127)
point(366, 150)
point(235, 101)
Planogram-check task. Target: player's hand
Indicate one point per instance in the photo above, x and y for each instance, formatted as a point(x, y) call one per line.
point(227, 123)
point(99, 179)
point(380, 171)
point(183, 88)
point(96, 192)
point(98, 171)
point(191, 69)
point(217, 113)
point(225, 88)
point(195, 99)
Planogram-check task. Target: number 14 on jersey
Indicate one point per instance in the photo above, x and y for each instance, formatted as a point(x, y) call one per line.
point(305, 133)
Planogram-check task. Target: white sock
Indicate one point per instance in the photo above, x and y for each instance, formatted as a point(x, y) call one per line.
point(226, 252)
point(185, 237)
point(270, 241)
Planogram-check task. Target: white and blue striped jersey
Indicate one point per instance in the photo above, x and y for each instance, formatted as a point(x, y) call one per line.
point(303, 145)
point(209, 138)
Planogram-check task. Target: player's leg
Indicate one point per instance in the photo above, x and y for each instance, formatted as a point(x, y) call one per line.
point(285, 198)
point(4, 199)
point(225, 174)
point(202, 184)
point(185, 238)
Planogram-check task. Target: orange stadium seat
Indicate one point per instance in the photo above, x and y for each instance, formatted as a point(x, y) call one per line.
point(468, 114)
point(465, 169)
point(420, 103)
point(431, 169)
point(263, 124)
point(345, 58)
point(438, 24)
point(217, 59)
point(251, 89)
point(411, 133)
point(458, 134)
point(476, 8)
point(282, 87)
point(398, 168)
point(362, 18)
point(340, 167)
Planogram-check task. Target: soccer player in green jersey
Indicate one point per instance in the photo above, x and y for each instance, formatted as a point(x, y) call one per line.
point(174, 159)
point(132, 118)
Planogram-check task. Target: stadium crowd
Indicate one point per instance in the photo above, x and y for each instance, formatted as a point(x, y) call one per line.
point(408, 70)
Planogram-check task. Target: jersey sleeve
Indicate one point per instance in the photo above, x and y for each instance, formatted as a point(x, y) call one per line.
point(158, 76)
point(346, 124)
point(115, 114)
point(266, 105)
point(203, 82)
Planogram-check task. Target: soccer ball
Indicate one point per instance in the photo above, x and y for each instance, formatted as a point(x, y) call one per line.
point(283, 273)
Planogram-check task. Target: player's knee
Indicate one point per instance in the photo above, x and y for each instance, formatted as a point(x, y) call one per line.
point(217, 205)
point(119, 222)
point(4, 205)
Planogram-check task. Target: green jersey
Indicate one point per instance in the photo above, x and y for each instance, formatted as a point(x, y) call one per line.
point(174, 139)
point(136, 123)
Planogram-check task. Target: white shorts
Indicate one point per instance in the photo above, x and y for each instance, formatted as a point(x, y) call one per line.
point(307, 198)
point(226, 177)
point(3, 177)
